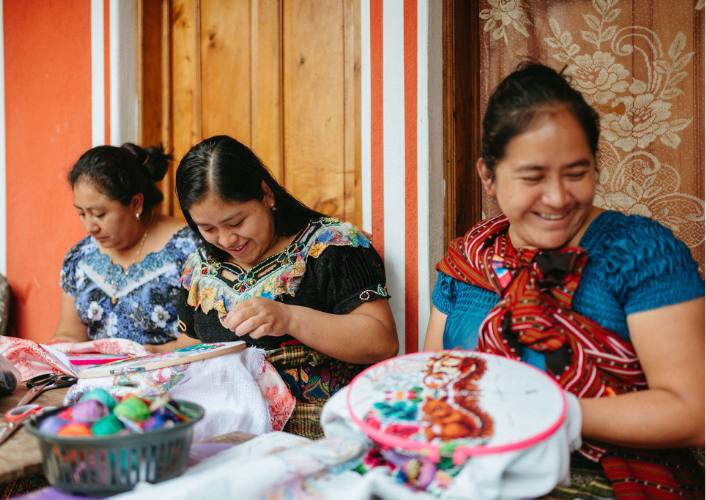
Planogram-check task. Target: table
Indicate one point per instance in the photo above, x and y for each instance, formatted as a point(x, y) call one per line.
point(20, 455)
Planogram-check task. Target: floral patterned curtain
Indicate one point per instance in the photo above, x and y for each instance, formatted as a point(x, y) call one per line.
point(640, 63)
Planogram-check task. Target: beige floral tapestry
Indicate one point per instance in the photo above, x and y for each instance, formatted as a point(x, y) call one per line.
point(640, 63)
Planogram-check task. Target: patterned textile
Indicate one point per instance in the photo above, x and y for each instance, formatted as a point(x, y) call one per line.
point(138, 303)
point(312, 378)
point(640, 65)
point(278, 275)
point(329, 266)
point(635, 264)
point(586, 359)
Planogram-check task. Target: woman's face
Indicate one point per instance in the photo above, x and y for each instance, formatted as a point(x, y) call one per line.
point(245, 230)
point(545, 183)
point(112, 224)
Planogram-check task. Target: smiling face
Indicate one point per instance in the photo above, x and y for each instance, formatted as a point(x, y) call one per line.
point(112, 224)
point(245, 230)
point(545, 182)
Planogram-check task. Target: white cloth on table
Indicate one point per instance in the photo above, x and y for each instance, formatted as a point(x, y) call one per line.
point(280, 465)
point(226, 386)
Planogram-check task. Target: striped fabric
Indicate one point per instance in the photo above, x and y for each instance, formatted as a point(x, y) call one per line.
point(537, 288)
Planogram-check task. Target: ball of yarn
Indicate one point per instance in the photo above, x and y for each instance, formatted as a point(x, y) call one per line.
point(101, 395)
point(88, 411)
point(52, 425)
point(106, 426)
point(73, 429)
point(156, 422)
point(133, 408)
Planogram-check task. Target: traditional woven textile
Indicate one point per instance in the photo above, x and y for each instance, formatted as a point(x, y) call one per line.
point(536, 289)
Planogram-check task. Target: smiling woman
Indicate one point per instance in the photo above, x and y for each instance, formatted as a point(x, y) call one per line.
point(611, 306)
point(121, 281)
point(308, 289)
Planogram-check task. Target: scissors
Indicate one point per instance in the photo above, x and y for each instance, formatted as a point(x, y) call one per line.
point(15, 417)
point(44, 382)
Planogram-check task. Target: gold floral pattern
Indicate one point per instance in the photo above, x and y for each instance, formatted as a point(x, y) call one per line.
point(638, 77)
point(504, 13)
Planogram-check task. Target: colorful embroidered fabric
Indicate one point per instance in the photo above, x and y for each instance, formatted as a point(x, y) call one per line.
point(537, 289)
point(428, 413)
point(138, 303)
point(278, 275)
point(329, 266)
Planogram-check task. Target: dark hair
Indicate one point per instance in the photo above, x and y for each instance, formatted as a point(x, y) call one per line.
point(532, 88)
point(230, 170)
point(122, 172)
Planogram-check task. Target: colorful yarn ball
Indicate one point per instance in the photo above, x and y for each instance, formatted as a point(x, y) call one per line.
point(75, 430)
point(156, 422)
point(67, 414)
point(133, 408)
point(52, 425)
point(107, 426)
point(101, 395)
point(88, 411)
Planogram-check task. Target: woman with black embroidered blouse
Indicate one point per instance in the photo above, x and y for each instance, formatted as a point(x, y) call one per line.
point(304, 287)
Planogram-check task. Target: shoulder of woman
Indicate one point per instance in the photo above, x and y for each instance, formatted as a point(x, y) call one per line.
point(78, 250)
point(632, 248)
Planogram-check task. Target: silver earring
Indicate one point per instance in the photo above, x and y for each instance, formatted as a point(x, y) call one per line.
point(273, 207)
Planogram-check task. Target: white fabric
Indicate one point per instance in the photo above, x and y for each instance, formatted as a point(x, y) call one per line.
point(226, 386)
point(280, 465)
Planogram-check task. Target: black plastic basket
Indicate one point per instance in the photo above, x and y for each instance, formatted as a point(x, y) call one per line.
point(108, 465)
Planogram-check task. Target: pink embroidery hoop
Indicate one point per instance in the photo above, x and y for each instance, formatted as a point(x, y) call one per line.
point(370, 386)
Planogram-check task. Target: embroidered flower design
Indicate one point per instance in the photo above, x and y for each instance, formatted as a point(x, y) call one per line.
point(95, 311)
point(645, 118)
point(598, 76)
point(160, 316)
point(504, 13)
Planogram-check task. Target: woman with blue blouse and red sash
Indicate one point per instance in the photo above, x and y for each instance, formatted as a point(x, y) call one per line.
point(610, 305)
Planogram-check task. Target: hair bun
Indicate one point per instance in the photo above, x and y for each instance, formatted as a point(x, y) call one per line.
point(153, 158)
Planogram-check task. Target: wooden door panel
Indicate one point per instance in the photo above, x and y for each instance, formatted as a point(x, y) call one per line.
point(225, 68)
point(266, 87)
point(281, 76)
point(313, 97)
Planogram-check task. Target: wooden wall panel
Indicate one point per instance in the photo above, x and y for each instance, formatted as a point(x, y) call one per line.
point(225, 69)
point(266, 84)
point(313, 97)
point(351, 109)
point(282, 76)
point(186, 102)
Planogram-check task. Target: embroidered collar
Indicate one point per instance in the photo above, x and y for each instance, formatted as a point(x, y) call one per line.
point(216, 285)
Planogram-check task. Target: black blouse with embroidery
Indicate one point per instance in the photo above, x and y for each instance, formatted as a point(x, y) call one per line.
point(338, 281)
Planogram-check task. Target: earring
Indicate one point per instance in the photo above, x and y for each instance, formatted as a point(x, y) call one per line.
point(273, 207)
point(137, 215)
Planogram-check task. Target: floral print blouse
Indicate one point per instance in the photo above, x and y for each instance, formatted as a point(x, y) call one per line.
point(138, 303)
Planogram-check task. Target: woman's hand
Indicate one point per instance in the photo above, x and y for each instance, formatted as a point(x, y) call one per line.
point(259, 317)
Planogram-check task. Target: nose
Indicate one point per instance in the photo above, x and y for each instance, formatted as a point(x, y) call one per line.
point(556, 194)
point(90, 225)
point(227, 239)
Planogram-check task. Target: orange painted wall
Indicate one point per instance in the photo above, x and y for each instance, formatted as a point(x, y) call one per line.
point(48, 125)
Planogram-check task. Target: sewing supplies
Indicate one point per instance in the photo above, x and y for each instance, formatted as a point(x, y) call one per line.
point(113, 453)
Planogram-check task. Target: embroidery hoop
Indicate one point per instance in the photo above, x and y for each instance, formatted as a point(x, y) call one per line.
point(541, 408)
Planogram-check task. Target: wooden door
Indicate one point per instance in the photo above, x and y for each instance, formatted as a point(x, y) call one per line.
point(282, 76)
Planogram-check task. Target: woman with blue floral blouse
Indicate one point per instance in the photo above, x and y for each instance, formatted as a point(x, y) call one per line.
point(122, 280)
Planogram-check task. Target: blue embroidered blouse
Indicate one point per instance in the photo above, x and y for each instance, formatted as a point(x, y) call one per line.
point(137, 304)
point(635, 264)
